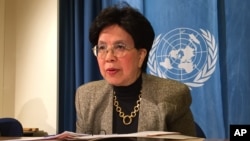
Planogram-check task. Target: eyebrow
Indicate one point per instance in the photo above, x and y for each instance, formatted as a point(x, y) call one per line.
point(116, 42)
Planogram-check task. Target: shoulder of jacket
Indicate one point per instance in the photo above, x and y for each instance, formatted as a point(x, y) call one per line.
point(93, 85)
point(161, 81)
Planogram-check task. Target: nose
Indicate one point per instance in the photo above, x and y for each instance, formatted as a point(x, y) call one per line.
point(110, 57)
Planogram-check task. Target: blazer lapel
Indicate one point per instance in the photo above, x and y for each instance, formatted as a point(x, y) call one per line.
point(149, 113)
point(107, 119)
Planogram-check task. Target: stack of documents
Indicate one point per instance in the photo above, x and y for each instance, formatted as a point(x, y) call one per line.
point(66, 135)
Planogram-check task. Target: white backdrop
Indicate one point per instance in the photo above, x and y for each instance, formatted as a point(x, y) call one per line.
point(29, 32)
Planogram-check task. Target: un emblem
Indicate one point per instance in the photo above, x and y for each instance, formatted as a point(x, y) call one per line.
point(185, 55)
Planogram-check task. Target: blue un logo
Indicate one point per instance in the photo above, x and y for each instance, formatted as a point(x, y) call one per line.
point(185, 55)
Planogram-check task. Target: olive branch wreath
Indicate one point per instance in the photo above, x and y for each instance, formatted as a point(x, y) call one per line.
point(203, 75)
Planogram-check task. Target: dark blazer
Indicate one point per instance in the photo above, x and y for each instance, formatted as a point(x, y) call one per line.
point(165, 106)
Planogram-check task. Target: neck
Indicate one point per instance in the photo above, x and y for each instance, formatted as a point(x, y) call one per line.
point(133, 89)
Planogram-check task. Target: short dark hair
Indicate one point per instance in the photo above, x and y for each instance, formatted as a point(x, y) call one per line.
point(131, 20)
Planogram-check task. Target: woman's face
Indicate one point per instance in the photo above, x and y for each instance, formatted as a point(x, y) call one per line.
point(119, 70)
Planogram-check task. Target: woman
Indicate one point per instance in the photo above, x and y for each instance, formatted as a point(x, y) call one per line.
point(129, 100)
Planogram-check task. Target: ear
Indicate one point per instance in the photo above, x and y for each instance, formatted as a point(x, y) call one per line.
point(142, 55)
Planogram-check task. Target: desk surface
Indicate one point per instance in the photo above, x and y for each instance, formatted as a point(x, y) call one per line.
point(122, 139)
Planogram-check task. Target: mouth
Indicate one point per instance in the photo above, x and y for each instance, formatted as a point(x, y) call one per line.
point(111, 70)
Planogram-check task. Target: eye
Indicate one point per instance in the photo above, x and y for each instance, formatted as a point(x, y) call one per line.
point(101, 47)
point(120, 46)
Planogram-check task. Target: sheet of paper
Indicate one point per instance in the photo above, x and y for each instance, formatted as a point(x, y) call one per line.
point(65, 135)
point(145, 134)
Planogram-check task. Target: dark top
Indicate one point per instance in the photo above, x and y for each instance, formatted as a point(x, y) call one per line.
point(127, 97)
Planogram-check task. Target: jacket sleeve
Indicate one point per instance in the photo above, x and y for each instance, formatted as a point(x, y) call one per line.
point(79, 120)
point(182, 118)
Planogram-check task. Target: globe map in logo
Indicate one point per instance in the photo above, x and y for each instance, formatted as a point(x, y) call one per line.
point(183, 54)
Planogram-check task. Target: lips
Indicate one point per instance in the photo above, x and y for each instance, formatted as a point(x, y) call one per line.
point(111, 70)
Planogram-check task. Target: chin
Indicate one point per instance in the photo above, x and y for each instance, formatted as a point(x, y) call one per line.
point(112, 81)
point(115, 83)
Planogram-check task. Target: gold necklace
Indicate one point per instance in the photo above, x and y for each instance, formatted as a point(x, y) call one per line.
point(127, 119)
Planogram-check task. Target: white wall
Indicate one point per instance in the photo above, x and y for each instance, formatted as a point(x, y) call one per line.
point(30, 62)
